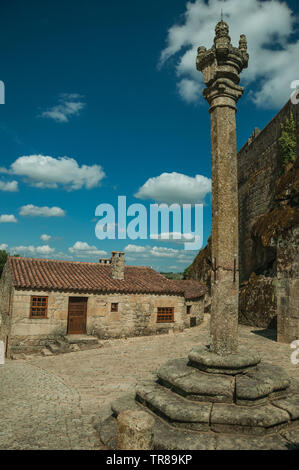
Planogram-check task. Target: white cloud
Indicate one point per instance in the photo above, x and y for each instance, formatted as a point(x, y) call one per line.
point(3, 246)
point(175, 237)
point(48, 172)
point(268, 25)
point(175, 188)
point(7, 218)
point(45, 238)
point(35, 211)
point(82, 249)
point(10, 186)
point(162, 252)
point(135, 249)
point(189, 90)
point(138, 252)
point(69, 104)
point(60, 256)
point(44, 250)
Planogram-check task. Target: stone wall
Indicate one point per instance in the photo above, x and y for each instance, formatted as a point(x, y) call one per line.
point(276, 247)
point(6, 295)
point(269, 224)
point(258, 171)
point(257, 302)
point(288, 286)
point(195, 317)
point(137, 315)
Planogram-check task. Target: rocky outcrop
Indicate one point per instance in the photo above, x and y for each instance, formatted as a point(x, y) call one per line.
point(257, 302)
point(201, 268)
point(284, 215)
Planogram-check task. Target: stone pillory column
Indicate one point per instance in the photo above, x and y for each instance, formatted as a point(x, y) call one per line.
point(221, 66)
point(221, 396)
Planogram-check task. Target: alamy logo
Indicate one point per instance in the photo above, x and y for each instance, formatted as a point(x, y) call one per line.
point(294, 95)
point(2, 92)
point(295, 354)
point(154, 225)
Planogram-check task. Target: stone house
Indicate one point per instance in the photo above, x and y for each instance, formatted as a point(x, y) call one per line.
point(42, 300)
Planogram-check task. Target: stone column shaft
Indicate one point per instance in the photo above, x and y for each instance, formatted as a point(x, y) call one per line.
point(225, 285)
point(221, 66)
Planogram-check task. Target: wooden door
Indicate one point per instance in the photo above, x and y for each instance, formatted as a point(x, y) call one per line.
point(77, 316)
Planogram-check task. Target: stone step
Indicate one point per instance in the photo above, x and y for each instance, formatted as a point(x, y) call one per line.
point(174, 408)
point(257, 420)
point(167, 437)
point(62, 343)
point(218, 417)
point(289, 404)
point(54, 348)
point(202, 358)
point(195, 385)
point(46, 352)
point(253, 387)
point(266, 381)
point(85, 341)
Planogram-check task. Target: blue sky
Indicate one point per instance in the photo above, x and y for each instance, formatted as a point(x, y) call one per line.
point(112, 88)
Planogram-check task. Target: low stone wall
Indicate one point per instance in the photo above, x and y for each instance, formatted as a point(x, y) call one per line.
point(31, 343)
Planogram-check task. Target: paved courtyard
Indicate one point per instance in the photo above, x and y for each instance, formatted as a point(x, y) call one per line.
point(49, 402)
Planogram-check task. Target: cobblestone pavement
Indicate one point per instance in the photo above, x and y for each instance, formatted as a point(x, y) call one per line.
point(49, 402)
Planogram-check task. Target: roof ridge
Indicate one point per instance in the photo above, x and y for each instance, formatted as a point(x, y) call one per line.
point(93, 263)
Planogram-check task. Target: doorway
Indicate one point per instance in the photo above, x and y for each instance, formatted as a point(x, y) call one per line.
point(77, 315)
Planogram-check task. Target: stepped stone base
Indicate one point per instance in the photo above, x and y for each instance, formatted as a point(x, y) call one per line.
point(255, 406)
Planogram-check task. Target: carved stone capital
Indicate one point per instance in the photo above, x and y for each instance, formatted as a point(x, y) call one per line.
point(223, 92)
point(221, 66)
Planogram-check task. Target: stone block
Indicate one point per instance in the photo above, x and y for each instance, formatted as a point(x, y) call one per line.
point(289, 404)
point(202, 358)
point(135, 430)
point(228, 442)
point(124, 403)
point(247, 420)
point(257, 385)
point(194, 384)
point(46, 352)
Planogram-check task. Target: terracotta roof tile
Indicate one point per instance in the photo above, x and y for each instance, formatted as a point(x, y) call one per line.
point(41, 274)
point(192, 289)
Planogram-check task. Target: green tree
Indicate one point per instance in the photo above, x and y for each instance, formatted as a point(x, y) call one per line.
point(186, 272)
point(287, 141)
point(3, 258)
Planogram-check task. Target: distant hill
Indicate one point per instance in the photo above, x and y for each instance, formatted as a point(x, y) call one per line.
point(176, 276)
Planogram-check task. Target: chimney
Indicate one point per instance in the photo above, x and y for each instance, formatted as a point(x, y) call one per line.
point(104, 261)
point(118, 265)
